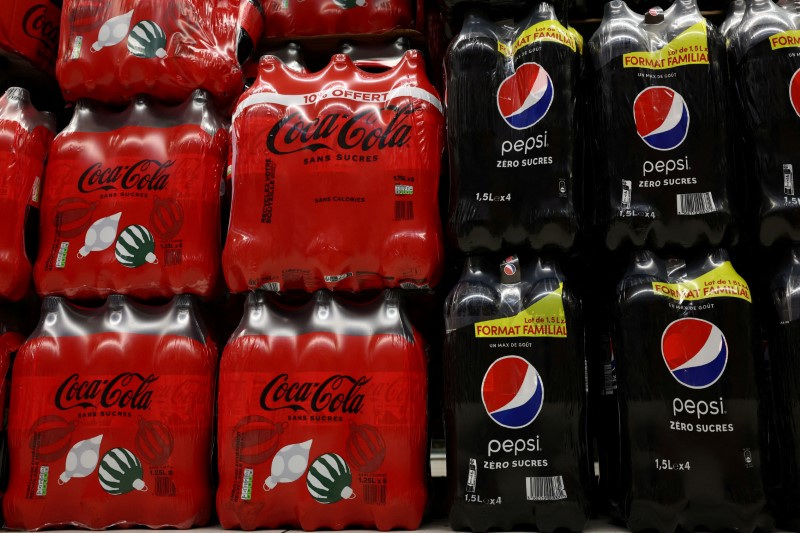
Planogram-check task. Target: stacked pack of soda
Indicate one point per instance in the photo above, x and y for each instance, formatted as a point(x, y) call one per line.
point(334, 172)
point(763, 41)
point(682, 376)
point(515, 384)
point(112, 395)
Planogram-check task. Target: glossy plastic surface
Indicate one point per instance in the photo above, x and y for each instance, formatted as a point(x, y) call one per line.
point(112, 50)
point(657, 128)
point(785, 372)
point(325, 17)
point(686, 367)
point(764, 47)
point(335, 179)
point(111, 418)
point(25, 137)
point(29, 28)
point(733, 18)
point(322, 417)
point(514, 372)
point(510, 122)
point(131, 202)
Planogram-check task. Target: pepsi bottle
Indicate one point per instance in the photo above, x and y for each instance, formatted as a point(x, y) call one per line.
point(657, 123)
point(733, 18)
point(510, 104)
point(515, 399)
point(785, 367)
point(766, 63)
point(685, 364)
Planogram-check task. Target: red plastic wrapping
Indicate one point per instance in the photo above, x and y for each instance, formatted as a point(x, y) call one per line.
point(29, 28)
point(111, 418)
point(131, 202)
point(25, 137)
point(325, 17)
point(112, 50)
point(322, 417)
point(335, 179)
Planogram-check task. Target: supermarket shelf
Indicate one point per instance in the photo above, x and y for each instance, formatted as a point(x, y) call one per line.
point(595, 526)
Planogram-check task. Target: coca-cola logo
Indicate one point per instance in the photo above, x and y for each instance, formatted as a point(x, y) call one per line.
point(147, 174)
point(37, 24)
point(337, 393)
point(129, 390)
point(363, 131)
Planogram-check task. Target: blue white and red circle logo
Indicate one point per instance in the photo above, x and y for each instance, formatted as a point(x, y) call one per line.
point(512, 392)
point(794, 92)
point(509, 269)
point(695, 351)
point(524, 97)
point(662, 118)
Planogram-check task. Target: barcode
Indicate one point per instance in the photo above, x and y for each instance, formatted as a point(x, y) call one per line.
point(173, 257)
point(164, 486)
point(695, 203)
point(374, 494)
point(404, 210)
point(272, 286)
point(545, 488)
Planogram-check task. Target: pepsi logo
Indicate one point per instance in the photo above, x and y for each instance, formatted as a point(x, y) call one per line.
point(512, 392)
point(794, 92)
point(695, 351)
point(662, 118)
point(524, 97)
point(509, 269)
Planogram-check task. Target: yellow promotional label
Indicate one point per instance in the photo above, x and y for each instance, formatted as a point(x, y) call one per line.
point(688, 48)
point(545, 318)
point(722, 282)
point(547, 30)
point(785, 39)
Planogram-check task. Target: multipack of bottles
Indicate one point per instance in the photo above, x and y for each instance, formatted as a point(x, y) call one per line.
point(276, 164)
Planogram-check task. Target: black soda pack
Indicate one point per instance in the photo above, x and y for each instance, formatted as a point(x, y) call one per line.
point(510, 105)
point(515, 399)
point(784, 358)
point(765, 52)
point(686, 366)
point(656, 128)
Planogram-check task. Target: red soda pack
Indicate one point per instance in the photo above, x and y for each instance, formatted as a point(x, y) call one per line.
point(335, 179)
point(131, 202)
point(111, 418)
point(29, 28)
point(322, 417)
point(112, 50)
point(326, 17)
point(25, 137)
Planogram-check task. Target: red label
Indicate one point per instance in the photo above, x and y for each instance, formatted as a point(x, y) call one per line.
point(30, 28)
point(109, 430)
point(136, 213)
point(335, 180)
point(326, 17)
point(22, 156)
point(112, 50)
point(361, 420)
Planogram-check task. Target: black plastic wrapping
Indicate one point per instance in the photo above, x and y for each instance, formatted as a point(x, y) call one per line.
point(515, 399)
point(657, 128)
point(685, 361)
point(765, 51)
point(510, 118)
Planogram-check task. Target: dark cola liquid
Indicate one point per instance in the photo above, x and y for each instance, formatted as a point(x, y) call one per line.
point(511, 169)
point(502, 476)
point(688, 401)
